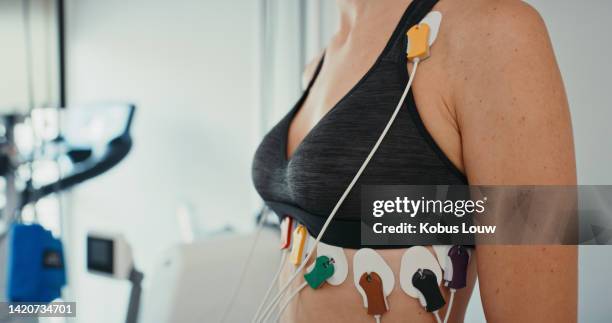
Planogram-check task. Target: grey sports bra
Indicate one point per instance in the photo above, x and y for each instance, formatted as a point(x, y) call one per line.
point(308, 184)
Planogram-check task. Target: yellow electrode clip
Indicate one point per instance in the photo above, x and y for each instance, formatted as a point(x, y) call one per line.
point(300, 234)
point(418, 42)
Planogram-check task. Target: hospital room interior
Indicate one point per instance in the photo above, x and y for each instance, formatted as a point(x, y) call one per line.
point(137, 121)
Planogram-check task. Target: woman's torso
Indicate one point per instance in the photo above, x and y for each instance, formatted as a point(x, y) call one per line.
point(334, 125)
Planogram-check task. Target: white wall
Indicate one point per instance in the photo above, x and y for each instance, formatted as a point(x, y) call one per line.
point(282, 68)
point(191, 68)
point(14, 89)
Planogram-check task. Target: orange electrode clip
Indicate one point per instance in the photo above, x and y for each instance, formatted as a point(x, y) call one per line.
point(418, 42)
point(299, 240)
point(286, 226)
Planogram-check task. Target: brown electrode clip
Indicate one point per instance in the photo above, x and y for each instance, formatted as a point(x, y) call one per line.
point(373, 287)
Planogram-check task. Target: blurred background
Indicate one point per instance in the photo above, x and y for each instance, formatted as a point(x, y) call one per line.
point(208, 79)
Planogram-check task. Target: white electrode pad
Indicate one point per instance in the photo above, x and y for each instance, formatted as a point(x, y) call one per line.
point(444, 260)
point(416, 258)
point(367, 261)
point(339, 259)
point(433, 19)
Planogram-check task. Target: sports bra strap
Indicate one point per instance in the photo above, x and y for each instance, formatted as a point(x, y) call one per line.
point(314, 76)
point(416, 11)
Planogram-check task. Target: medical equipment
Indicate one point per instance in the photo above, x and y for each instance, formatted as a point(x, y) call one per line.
point(301, 249)
point(328, 256)
point(418, 37)
point(300, 236)
point(110, 255)
point(454, 261)
point(322, 270)
point(282, 263)
point(91, 140)
point(36, 271)
point(286, 230)
point(459, 260)
point(340, 263)
point(261, 219)
point(420, 277)
point(441, 252)
point(318, 273)
point(334, 255)
point(374, 280)
point(43, 152)
point(286, 303)
point(422, 36)
point(330, 266)
point(88, 142)
point(426, 282)
point(372, 285)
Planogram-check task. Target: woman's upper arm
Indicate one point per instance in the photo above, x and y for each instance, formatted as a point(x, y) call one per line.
point(516, 130)
point(511, 104)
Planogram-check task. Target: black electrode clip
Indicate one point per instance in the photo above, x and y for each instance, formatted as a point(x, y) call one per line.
point(426, 282)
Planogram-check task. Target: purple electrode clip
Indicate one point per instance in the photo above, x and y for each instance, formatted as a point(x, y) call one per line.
point(460, 258)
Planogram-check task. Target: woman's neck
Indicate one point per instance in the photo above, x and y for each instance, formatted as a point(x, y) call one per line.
point(366, 14)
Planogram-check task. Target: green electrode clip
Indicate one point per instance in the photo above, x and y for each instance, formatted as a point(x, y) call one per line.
point(323, 269)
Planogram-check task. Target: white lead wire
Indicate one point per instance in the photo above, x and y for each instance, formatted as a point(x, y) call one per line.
point(286, 303)
point(247, 261)
point(437, 317)
point(347, 190)
point(450, 305)
point(282, 263)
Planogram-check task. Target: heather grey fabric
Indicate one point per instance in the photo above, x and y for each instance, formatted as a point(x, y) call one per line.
point(308, 185)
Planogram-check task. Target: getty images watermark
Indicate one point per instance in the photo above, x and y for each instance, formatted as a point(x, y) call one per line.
point(415, 207)
point(400, 216)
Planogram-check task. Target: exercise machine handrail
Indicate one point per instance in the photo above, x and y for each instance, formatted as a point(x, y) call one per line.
point(117, 149)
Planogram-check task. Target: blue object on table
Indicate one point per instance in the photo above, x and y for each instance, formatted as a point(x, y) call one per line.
point(36, 271)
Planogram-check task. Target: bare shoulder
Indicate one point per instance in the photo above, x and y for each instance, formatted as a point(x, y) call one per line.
point(492, 29)
point(491, 42)
point(507, 92)
point(486, 20)
point(310, 70)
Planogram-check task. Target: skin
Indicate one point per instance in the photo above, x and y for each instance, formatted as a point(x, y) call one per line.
point(492, 97)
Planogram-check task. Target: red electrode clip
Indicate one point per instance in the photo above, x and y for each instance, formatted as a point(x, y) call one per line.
point(286, 229)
